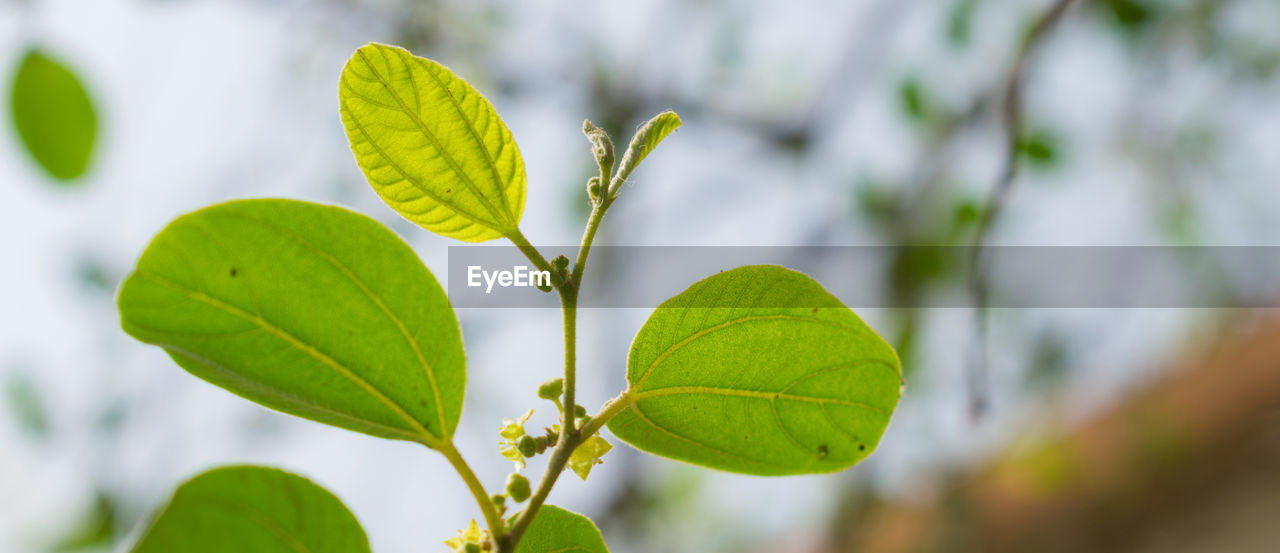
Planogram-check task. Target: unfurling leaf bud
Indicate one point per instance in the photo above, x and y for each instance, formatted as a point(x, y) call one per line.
point(527, 446)
point(517, 487)
point(601, 148)
point(551, 389)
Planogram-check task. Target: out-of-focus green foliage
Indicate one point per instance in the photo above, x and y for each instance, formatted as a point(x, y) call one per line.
point(253, 509)
point(53, 115)
point(96, 529)
point(25, 404)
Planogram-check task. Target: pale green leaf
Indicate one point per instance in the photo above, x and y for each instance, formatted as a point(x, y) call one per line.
point(308, 309)
point(555, 530)
point(643, 142)
point(431, 145)
point(256, 509)
point(758, 370)
point(53, 115)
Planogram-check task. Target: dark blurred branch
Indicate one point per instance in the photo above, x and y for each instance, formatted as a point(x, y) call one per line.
point(1011, 115)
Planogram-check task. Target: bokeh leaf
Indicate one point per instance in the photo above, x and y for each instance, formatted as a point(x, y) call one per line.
point(431, 145)
point(646, 138)
point(555, 530)
point(256, 509)
point(308, 309)
point(53, 116)
point(758, 370)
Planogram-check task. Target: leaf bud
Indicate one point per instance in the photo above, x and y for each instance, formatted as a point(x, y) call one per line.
point(551, 389)
point(527, 446)
point(517, 487)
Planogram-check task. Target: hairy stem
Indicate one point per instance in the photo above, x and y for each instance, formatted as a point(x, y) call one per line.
point(569, 437)
point(609, 410)
point(487, 508)
point(534, 256)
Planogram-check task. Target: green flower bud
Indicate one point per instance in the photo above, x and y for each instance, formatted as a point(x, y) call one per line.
point(579, 411)
point(540, 444)
point(551, 389)
point(517, 487)
point(498, 499)
point(472, 548)
point(527, 446)
point(560, 263)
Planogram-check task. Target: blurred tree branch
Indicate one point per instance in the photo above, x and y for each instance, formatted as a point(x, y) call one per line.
point(1011, 117)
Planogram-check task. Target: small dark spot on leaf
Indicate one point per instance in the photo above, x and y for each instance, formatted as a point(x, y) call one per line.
point(448, 190)
point(815, 310)
point(822, 451)
point(862, 447)
point(234, 272)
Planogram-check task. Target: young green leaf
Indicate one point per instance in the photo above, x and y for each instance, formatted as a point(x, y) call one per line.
point(758, 370)
point(431, 145)
point(644, 141)
point(256, 509)
point(555, 530)
point(53, 116)
point(312, 310)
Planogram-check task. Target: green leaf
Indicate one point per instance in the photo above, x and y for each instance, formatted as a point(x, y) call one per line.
point(256, 509)
point(53, 115)
point(312, 310)
point(555, 530)
point(758, 370)
point(431, 145)
point(643, 142)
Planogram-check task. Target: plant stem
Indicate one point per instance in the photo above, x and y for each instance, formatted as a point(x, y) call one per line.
point(609, 410)
point(487, 508)
point(534, 255)
point(588, 236)
point(569, 438)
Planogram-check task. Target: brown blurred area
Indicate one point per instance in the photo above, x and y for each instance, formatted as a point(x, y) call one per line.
point(1189, 464)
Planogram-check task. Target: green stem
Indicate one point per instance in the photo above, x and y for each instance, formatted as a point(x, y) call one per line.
point(491, 517)
point(609, 410)
point(588, 236)
point(534, 255)
point(569, 438)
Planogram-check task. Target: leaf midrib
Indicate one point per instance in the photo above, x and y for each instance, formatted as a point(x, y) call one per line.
point(428, 438)
point(457, 169)
point(382, 306)
point(757, 394)
point(721, 326)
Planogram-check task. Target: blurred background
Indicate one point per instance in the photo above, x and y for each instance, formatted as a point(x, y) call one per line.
point(1134, 122)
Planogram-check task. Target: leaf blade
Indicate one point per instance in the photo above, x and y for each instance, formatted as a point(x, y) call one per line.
point(643, 142)
point(556, 530)
point(54, 116)
point(758, 370)
point(311, 310)
point(248, 508)
point(431, 145)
